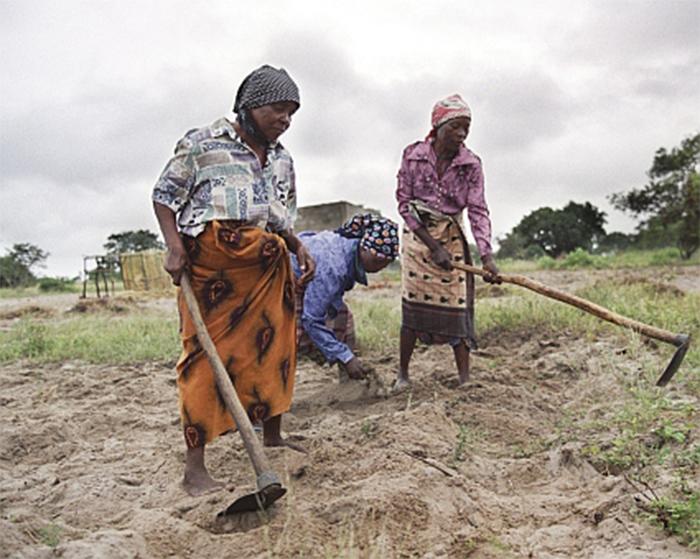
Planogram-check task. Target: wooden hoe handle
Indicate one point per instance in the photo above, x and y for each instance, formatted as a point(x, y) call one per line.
point(584, 305)
point(223, 381)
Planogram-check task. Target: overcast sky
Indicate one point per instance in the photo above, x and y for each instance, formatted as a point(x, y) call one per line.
point(570, 100)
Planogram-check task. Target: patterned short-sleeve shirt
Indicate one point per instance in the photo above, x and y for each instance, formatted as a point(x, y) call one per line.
point(214, 175)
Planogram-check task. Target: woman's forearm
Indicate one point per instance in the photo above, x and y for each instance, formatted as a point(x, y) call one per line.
point(292, 241)
point(176, 257)
point(423, 235)
point(168, 225)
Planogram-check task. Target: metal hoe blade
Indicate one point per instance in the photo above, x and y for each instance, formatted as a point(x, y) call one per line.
point(260, 500)
point(269, 490)
point(682, 342)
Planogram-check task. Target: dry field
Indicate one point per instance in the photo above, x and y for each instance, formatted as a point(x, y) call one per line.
point(545, 453)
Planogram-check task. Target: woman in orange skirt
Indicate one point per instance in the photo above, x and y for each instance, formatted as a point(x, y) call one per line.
point(225, 203)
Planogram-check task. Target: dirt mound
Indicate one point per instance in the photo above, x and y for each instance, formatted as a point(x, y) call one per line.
point(29, 311)
point(651, 285)
point(112, 305)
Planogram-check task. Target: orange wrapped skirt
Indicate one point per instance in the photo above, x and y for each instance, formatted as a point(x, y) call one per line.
point(243, 281)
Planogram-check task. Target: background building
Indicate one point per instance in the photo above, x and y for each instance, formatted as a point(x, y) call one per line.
point(328, 216)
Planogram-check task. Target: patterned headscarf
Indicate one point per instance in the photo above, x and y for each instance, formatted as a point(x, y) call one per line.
point(263, 86)
point(378, 235)
point(447, 109)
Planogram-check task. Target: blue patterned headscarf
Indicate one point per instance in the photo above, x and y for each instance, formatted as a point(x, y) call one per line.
point(378, 235)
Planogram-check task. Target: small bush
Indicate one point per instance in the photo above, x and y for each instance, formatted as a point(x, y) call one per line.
point(581, 259)
point(56, 285)
point(665, 256)
point(546, 263)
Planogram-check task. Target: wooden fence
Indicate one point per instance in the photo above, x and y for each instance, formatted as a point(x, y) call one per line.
point(143, 271)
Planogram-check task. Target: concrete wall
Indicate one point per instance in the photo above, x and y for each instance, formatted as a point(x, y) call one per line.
point(327, 216)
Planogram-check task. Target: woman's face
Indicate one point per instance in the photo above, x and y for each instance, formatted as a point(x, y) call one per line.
point(274, 119)
point(371, 262)
point(454, 132)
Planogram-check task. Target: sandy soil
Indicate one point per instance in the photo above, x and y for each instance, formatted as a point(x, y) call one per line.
point(92, 457)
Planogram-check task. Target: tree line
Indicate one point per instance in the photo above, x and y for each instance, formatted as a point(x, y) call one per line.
point(667, 206)
point(18, 266)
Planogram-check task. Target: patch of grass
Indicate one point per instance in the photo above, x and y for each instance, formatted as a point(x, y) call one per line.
point(58, 285)
point(369, 428)
point(357, 539)
point(461, 445)
point(50, 535)
point(645, 302)
point(95, 339)
point(581, 259)
point(502, 548)
point(377, 323)
point(680, 517)
point(516, 266)
point(532, 447)
point(19, 292)
point(466, 438)
point(648, 433)
point(392, 273)
point(648, 430)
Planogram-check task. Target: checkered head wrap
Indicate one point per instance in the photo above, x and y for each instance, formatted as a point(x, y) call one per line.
point(447, 109)
point(378, 235)
point(265, 86)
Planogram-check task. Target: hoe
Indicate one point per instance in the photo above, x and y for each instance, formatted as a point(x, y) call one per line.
point(681, 341)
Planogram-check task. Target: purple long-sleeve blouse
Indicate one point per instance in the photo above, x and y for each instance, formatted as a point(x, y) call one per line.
point(460, 187)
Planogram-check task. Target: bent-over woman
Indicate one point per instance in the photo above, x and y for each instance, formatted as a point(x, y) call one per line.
point(226, 203)
point(363, 245)
point(439, 178)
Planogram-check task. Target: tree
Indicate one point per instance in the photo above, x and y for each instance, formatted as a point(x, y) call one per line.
point(556, 232)
point(16, 266)
point(670, 201)
point(132, 241)
point(28, 255)
point(616, 241)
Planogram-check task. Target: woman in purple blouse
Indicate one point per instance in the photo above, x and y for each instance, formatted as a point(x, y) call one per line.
point(439, 178)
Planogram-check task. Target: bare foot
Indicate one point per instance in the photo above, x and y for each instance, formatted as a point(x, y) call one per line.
point(463, 378)
point(401, 385)
point(279, 441)
point(198, 482)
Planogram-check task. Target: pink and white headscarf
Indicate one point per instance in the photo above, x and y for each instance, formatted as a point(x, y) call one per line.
point(447, 109)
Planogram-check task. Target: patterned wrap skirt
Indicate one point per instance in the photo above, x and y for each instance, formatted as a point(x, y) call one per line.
point(243, 280)
point(438, 305)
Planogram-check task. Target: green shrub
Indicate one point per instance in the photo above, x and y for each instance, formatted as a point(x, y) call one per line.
point(57, 285)
point(581, 259)
point(546, 263)
point(665, 256)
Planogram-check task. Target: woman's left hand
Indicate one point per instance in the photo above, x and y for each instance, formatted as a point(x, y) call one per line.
point(490, 267)
point(306, 264)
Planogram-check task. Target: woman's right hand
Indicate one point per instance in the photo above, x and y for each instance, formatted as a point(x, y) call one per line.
point(355, 369)
point(441, 258)
point(176, 261)
point(306, 264)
